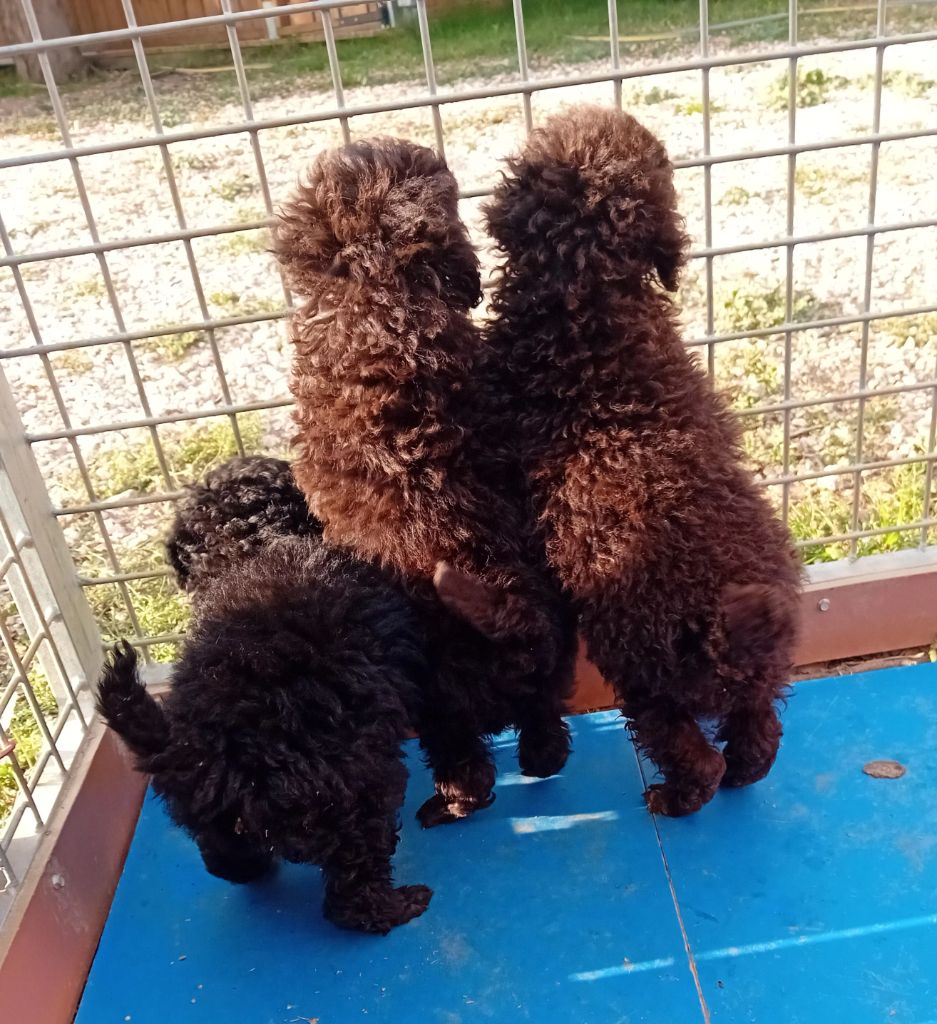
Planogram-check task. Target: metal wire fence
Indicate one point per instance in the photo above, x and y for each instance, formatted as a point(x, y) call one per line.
point(46, 659)
point(114, 457)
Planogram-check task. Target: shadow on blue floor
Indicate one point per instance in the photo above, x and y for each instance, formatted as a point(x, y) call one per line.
point(811, 897)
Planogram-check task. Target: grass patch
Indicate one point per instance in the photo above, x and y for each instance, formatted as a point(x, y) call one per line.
point(25, 730)
point(749, 371)
point(238, 187)
point(37, 127)
point(158, 605)
point(750, 305)
point(908, 83)
point(75, 360)
point(244, 213)
point(12, 85)
point(478, 39)
point(173, 346)
point(890, 498)
point(232, 304)
point(812, 180)
point(262, 304)
point(87, 288)
point(814, 87)
point(472, 39)
point(656, 95)
point(194, 162)
point(736, 196)
point(244, 242)
point(763, 443)
point(189, 454)
point(918, 331)
point(226, 302)
point(696, 107)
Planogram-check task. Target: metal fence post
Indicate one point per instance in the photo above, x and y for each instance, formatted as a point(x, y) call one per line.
point(48, 568)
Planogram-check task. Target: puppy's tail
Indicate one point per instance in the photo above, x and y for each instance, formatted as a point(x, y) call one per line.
point(590, 201)
point(123, 702)
point(382, 211)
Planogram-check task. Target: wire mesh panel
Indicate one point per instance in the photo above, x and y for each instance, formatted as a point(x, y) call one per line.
point(145, 341)
point(50, 650)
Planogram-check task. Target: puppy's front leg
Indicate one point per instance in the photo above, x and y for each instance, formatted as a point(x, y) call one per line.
point(359, 889)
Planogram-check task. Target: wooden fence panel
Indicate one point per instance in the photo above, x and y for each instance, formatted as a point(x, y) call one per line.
point(106, 15)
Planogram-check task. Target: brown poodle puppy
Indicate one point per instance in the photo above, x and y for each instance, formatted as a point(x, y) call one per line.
point(394, 461)
point(685, 581)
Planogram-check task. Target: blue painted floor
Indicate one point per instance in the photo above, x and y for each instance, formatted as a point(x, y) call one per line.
point(811, 897)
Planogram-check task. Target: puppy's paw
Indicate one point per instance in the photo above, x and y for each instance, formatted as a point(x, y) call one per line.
point(675, 800)
point(414, 899)
point(745, 771)
point(378, 910)
point(664, 798)
point(440, 810)
point(542, 753)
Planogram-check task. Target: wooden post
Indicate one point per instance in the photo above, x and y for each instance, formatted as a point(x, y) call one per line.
point(55, 20)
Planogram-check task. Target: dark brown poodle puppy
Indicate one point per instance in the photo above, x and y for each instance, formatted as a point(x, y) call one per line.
point(298, 681)
point(392, 459)
point(685, 581)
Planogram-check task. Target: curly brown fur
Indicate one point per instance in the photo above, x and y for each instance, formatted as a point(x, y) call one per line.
point(685, 581)
point(388, 453)
point(281, 735)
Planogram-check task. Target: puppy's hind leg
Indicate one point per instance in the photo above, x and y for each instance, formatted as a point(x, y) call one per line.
point(691, 766)
point(463, 771)
point(544, 743)
point(760, 623)
point(752, 736)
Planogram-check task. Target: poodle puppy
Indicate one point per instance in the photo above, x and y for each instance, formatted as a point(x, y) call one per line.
point(299, 679)
point(393, 454)
point(239, 508)
point(685, 582)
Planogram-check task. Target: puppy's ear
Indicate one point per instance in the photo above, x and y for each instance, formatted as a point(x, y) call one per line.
point(489, 609)
point(176, 559)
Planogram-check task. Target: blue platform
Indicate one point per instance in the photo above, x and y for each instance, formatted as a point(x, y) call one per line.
point(810, 898)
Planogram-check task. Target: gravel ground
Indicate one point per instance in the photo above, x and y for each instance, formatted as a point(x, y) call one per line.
point(218, 183)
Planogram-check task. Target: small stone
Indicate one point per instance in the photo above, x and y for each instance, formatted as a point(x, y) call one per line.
point(884, 769)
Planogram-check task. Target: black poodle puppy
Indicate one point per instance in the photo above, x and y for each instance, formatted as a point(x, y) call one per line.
point(241, 506)
point(281, 735)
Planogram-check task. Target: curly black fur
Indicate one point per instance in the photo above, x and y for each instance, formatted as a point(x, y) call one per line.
point(238, 508)
point(281, 735)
